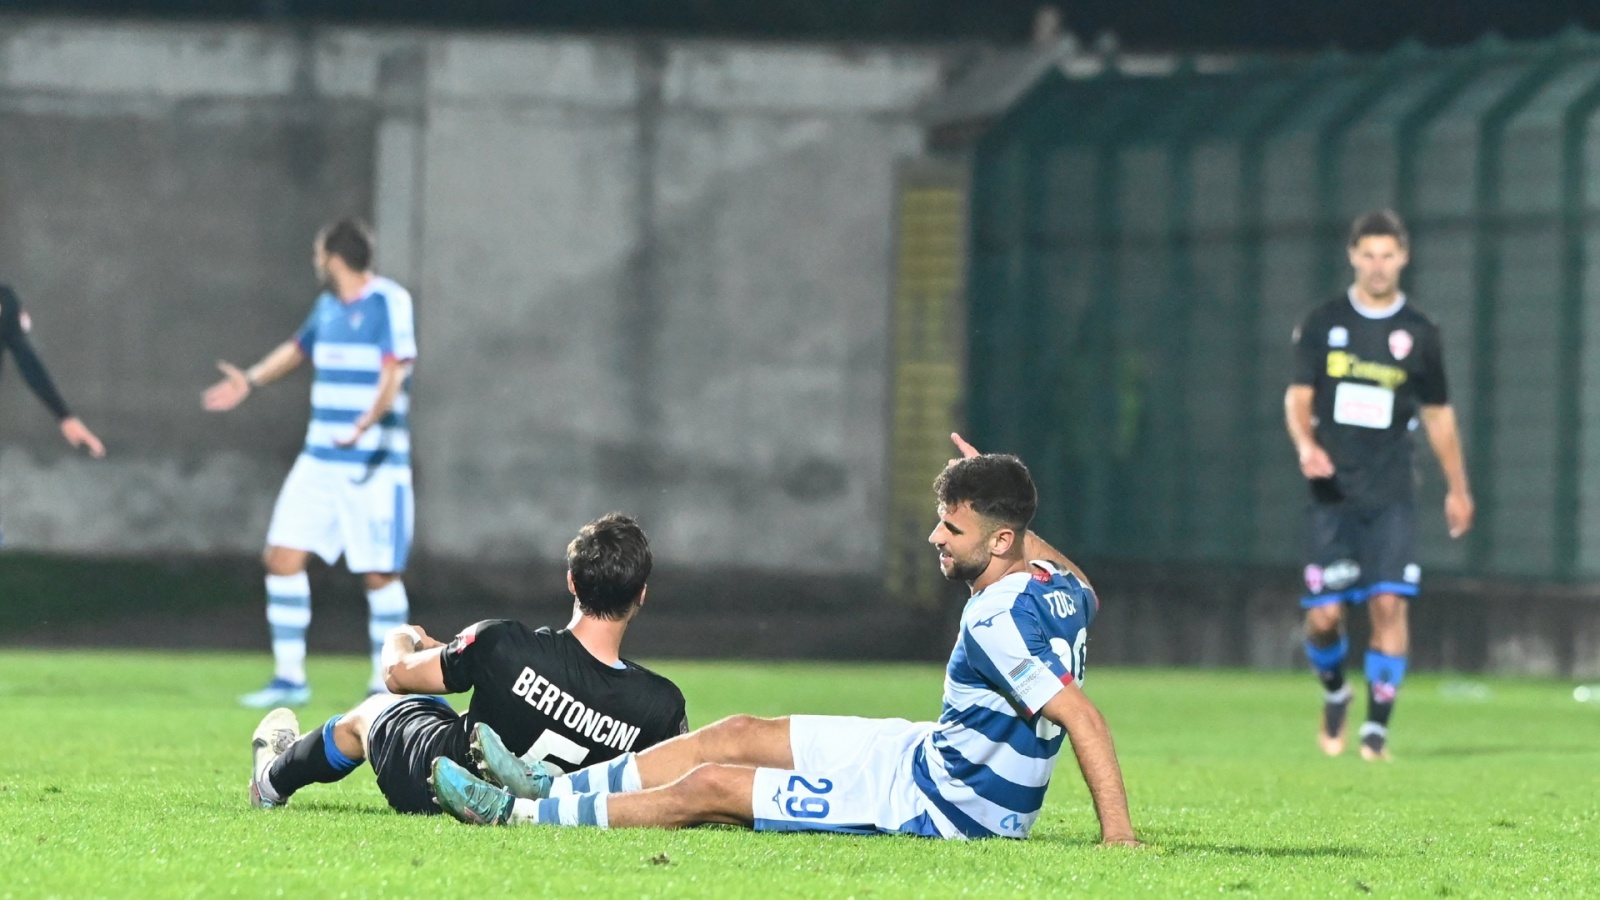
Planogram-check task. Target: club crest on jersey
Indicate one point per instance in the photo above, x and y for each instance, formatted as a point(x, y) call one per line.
point(1338, 336)
point(1400, 343)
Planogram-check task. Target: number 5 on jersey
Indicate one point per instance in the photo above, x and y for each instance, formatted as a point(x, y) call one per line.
point(551, 747)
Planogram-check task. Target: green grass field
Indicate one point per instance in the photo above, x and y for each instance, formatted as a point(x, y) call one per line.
point(125, 774)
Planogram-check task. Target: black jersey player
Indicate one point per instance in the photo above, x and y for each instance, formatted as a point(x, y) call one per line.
point(565, 697)
point(1369, 367)
point(14, 328)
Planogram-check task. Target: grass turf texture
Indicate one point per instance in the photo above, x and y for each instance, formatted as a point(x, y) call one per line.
point(125, 774)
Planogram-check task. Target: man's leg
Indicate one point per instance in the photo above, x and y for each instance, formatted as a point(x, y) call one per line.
point(1326, 648)
point(387, 609)
point(1385, 668)
point(288, 615)
point(745, 741)
point(326, 754)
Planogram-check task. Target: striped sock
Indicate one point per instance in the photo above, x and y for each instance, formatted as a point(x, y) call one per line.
point(387, 609)
point(288, 614)
point(619, 776)
point(576, 809)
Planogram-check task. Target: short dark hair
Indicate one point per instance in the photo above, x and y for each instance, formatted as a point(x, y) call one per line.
point(997, 485)
point(610, 561)
point(350, 240)
point(1380, 223)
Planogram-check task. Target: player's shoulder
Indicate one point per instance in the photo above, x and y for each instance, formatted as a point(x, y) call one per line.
point(1320, 317)
point(1412, 316)
point(490, 630)
point(651, 680)
point(388, 290)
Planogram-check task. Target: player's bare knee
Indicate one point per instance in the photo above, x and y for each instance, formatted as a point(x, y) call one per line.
point(283, 560)
point(734, 738)
point(710, 787)
point(1323, 621)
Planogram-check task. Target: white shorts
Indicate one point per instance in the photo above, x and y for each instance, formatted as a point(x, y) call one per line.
point(335, 508)
point(850, 775)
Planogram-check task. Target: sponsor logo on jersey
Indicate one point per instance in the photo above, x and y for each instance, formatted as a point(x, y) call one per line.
point(544, 696)
point(1340, 575)
point(1400, 343)
point(1413, 573)
point(1342, 364)
point(1024, 674)
point(1338, 336)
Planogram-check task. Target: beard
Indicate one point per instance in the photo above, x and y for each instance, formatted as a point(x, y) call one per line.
point(965, 570)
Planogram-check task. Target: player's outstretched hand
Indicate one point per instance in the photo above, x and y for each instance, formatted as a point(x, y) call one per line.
point(230, 391)
point(967, 450)
point(1458, 511)
point(79, 435)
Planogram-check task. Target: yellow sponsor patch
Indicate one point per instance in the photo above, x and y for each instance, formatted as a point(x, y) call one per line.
point(1342, 364)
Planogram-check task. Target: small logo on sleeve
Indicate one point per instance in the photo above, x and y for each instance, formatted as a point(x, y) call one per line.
point(1338, 336)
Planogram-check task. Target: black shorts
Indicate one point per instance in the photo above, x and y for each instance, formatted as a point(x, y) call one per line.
point(403, 743)
point(1354, 553)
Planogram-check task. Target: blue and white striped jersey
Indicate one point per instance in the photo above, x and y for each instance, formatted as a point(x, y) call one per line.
point(348, 344)
point(987, 764)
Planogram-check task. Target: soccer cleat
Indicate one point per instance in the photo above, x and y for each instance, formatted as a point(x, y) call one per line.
point(1330, 736)
point(274, 736)
point(504, 768)
point(467, 797)
point(1374, 743)
point(278, 692)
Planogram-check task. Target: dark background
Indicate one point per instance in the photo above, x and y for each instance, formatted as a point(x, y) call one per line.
point(1259, 25)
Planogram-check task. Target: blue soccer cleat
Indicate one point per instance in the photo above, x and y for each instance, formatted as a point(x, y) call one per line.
point(528, 781)
point(273, 737)
point(278, 692)
point(467, 797)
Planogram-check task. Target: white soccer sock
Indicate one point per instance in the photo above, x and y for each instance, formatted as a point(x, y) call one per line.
point(572, 810)
point(387, 609)
point(619, 776)
point(288, 614)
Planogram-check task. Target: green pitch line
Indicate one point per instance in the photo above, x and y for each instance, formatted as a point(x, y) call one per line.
point(125, 774)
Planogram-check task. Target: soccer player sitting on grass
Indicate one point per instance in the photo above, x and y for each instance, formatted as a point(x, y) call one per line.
point(1011, 698)
point(564, 698)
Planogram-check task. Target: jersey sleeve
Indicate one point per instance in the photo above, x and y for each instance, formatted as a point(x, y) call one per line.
point(465, 657)
point(398, 340)
point(1431, 387)
point(1308, 351)
point(306, 337)
point(1011, 651)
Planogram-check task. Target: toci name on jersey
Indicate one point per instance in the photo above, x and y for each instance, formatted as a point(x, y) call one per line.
point(546, 697)
point(1348, 365)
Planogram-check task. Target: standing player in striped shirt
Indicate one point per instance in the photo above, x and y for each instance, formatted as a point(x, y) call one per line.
point(349, 492)
point(1011, 697)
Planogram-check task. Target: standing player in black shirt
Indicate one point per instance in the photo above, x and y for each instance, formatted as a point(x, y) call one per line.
point(14, 328)
point(564, 697)
point(1368, 366)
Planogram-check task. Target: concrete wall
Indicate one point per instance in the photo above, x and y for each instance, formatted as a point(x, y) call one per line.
point(650, 275)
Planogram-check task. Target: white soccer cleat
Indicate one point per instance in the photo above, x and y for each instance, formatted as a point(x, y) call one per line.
point(276, 734)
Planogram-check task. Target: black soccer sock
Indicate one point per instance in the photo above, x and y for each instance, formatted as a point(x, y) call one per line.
point(1384, 675)
point(1327, 660)
point(314, 759)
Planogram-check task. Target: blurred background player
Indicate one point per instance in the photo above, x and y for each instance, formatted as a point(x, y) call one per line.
point(565, 698)
point(1368, 365)
point(14, 328)
point(1011, 698)
point(350, 489)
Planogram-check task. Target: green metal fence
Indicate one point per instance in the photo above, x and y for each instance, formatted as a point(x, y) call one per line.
point(1141, 248)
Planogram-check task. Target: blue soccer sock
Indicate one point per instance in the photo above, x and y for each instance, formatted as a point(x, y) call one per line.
point(1384, 675)
point(387, 609)
point(617, 776)
point(1328, 662)
point(574, 809)
point(313, 759)
point(288, 615)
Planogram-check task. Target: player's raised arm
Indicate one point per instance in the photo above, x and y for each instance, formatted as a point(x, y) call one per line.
point(237, 383)
point(1097, 759)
